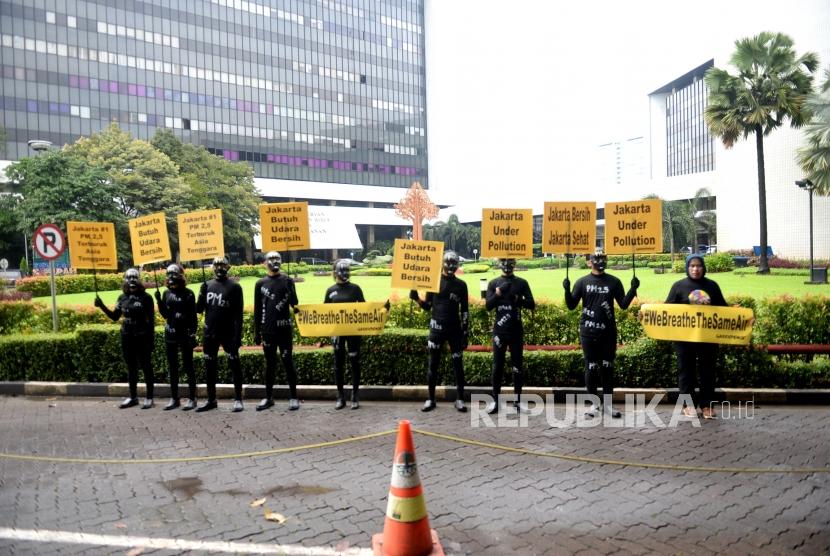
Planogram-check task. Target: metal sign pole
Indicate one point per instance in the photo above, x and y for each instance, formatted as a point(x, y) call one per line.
point(54, 299)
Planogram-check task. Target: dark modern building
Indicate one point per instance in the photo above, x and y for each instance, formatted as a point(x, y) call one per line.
point(325, 99)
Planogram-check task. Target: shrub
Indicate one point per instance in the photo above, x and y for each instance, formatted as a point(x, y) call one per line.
point(93, 353)
point(475, 268)
point(14, 295)
point(718, 262)
point(372, 271)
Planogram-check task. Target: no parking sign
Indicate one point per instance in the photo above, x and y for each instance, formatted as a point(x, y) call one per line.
point(49, 241)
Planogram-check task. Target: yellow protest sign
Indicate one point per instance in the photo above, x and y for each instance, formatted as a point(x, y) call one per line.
point(634, 227)
point(698, 323)
point(569, 228)
point(284, 226)
point(507, 233)
point(417, 265)
point(341, 319)
point(148, 236)
point(200, 235)
point(92, 245)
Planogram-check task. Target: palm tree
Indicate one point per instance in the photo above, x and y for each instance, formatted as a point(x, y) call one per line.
point(815, 157)
point(771, 85)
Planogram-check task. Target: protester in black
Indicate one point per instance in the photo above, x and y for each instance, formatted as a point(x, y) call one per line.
point(178, 307)
point(221, 301)
point(343, 291)
point(274, 296)
point(695, 358)
point(508, 295)
point(136, 307)
point(598, 326)
point(449, 323)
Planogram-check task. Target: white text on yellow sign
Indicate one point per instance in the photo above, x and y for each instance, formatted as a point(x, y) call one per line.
point(200, 235)
point(507, 233)
point(284, 226)
point(92, 245)
point(417, 265)
point(148, 236)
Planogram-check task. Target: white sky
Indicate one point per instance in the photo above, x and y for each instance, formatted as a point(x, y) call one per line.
point(521, 93)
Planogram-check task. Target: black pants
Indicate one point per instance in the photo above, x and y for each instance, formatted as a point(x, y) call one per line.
point(693, 359)
point(173, 348)
point(600, 353)
point(434, 344)
point(138, 351)
point(340, 343)
point(211, 351)
point(270, 343)
point(500, 345)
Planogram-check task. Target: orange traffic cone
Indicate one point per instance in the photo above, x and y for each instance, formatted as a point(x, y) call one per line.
point(406, 530)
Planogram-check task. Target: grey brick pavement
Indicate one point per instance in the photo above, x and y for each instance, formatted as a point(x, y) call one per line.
point(480, 500)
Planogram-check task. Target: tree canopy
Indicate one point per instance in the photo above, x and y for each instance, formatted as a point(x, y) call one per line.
point(815, 157)
point(111, 177)
point(771, 86)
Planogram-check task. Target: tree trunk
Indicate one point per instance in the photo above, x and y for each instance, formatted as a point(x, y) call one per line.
point(763, 263)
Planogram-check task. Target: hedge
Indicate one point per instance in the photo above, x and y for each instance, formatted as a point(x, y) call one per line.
point(779, 320)
point(82, 283)
point(93, 354)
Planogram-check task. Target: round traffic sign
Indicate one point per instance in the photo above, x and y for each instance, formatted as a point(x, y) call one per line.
point(49, 241)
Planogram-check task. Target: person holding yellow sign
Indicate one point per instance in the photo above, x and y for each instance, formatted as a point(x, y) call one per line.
point(695, 358)
point(137, 334)
point(598, 326)
point(344, 291)
point(220, 300)
point(274, 296)
point(508, 295)
point(449, 323)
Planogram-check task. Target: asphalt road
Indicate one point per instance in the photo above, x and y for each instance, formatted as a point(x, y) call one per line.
point(558, 489)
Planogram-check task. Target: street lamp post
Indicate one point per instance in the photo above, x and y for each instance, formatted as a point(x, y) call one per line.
point(40, 145)
point(817, 275)
point(475, 254)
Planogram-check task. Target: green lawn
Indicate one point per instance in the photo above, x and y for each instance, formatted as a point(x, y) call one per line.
point(546, 285)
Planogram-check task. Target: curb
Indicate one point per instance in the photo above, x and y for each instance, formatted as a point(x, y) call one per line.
point(403, 393)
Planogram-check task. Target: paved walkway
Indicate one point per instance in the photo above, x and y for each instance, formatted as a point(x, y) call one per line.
point(481, 499)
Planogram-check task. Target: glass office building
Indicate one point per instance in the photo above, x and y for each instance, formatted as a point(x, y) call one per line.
point(690, 148)
point(307, 90)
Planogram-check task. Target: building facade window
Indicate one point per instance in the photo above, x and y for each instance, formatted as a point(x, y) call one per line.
point(689, 146)
point(305, 90)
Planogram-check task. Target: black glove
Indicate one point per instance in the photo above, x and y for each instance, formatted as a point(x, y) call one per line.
point(296, 309)
point(635, 283)
point(413, 295)
point(504, 289)
point(257, 338)
point(99, 302)
point(566, 283)
point(158, 296)
point(387, 306)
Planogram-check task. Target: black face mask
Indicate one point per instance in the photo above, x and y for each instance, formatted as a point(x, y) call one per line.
point(450, 264)
point(273, 261)
point(342, 272)
point(599, 262)
point(220, 271)
point(507, 265)
point(132, 279)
